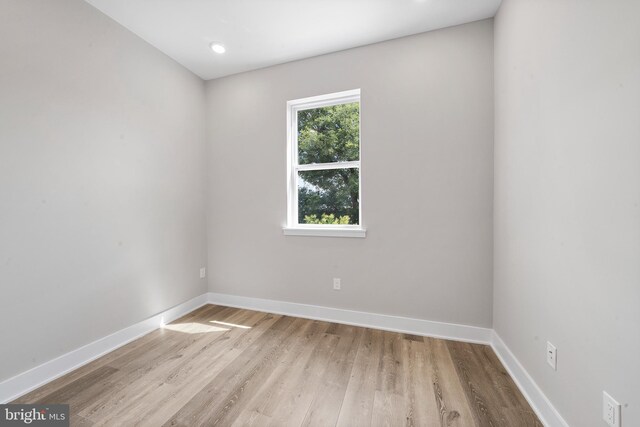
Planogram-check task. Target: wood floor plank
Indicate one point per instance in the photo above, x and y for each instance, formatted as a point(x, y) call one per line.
point(295, 400)
point(64, 380)
point(390, 378)
point(182, 381)
point(285, 374)
point(78, 421)
point(389, 404)
point(422, 408)
point(80, 385)
point(226, 366)
point(357, 407)
point(189, 379)
point(269, 371)
point(219, 396)
point(452, 403)
point(485, 403)
point(513, 401)
point(251, 419)
point(487, 387)
point(84, 390)
point(388, 410)
point(325, 408)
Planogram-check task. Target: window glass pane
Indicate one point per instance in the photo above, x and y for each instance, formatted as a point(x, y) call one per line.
point(328, 196)
point(329, 134)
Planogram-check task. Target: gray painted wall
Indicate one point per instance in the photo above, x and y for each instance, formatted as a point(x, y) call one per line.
point(102, 186)
point(567, 198)
point(427, 177)
point(101, 180)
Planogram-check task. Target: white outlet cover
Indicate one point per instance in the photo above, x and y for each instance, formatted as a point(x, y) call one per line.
point(552, 355)
point(203, 273)
point(610, 410)
point(336, 283)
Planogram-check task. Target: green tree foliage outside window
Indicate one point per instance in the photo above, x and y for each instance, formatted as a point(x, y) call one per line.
point(328, 135)
point(326, 219)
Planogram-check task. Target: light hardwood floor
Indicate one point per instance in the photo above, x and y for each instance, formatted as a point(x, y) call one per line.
point(225, 366)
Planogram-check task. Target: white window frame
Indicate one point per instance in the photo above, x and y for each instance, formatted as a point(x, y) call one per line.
point(293, 167)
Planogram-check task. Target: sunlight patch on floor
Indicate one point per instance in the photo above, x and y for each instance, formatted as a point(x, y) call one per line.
point(232, 325)
point(194, 328)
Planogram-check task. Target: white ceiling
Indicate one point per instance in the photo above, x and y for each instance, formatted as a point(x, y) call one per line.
point(259, 33)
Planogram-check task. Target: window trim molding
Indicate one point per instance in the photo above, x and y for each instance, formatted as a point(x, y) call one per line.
point(292, 227)
point(325, 231)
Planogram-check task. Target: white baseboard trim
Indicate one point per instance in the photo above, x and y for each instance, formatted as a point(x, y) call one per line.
point(385, 322)
point(25, 382)
point(544, 409)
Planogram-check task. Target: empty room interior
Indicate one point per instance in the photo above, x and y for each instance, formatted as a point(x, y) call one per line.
point(320, 213)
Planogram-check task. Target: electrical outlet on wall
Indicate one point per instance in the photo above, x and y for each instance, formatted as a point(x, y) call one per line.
point(336, 284)
point(203, 273)
point(552, 355)
point(610, 410)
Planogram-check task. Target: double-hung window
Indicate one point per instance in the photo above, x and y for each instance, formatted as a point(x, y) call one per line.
point(324, 166)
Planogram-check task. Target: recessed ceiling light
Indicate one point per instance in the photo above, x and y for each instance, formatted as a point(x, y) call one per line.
point(217, 48)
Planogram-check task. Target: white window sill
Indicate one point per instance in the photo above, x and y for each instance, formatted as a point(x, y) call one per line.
point(325, 232)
